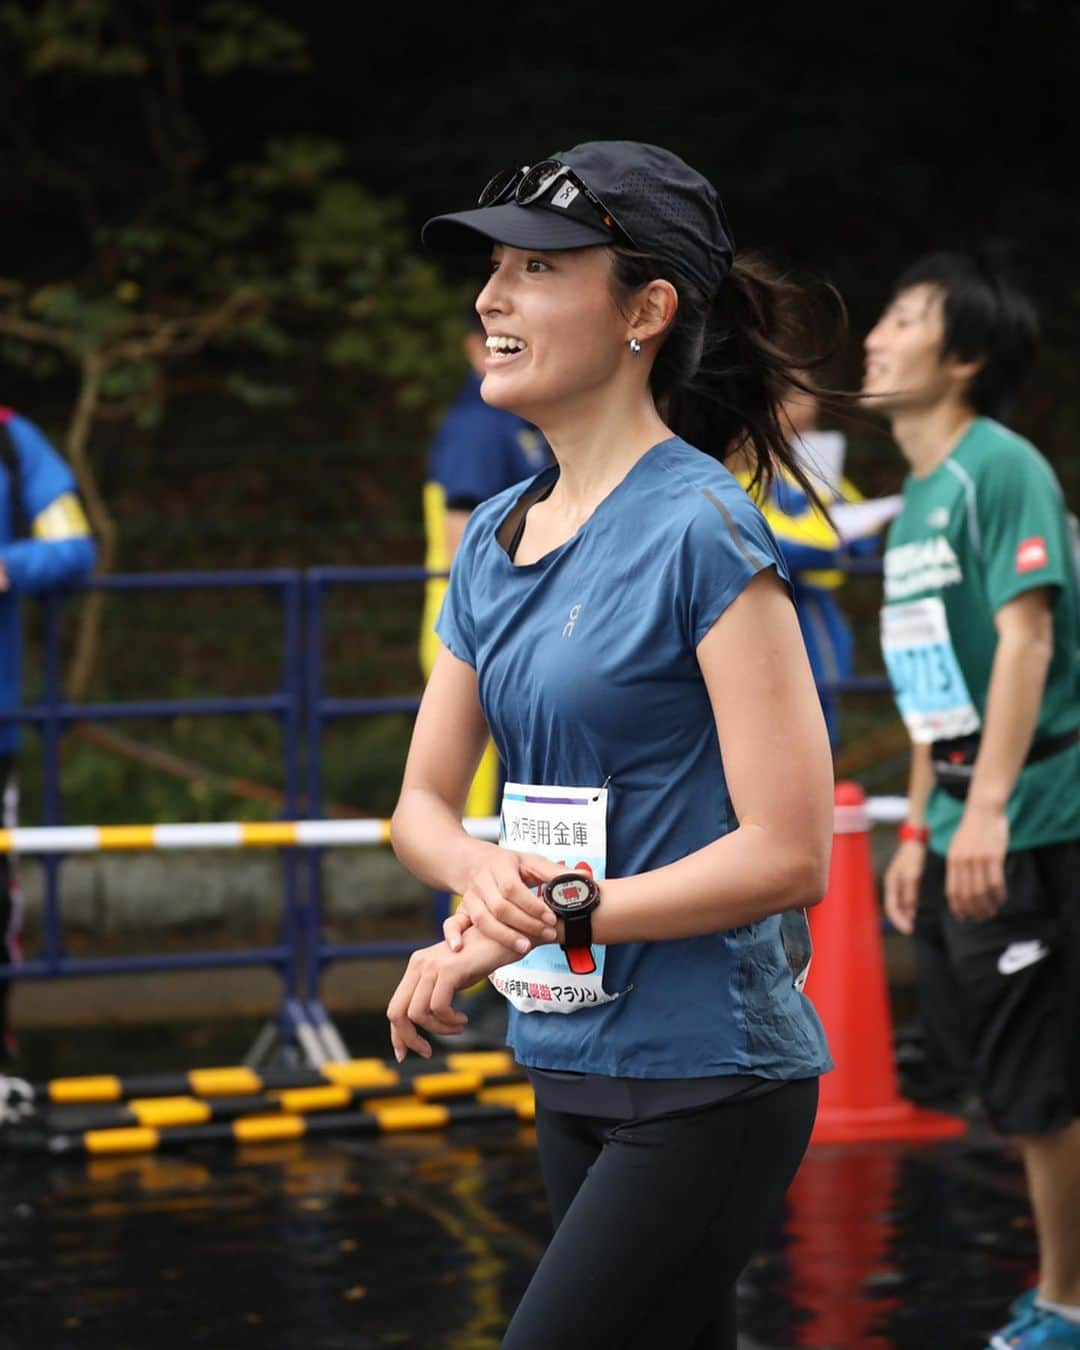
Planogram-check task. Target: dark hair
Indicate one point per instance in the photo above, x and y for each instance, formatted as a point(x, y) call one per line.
point(987, 318)
point(725, 368)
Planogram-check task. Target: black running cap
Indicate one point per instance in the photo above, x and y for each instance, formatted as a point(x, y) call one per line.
point(665, 207)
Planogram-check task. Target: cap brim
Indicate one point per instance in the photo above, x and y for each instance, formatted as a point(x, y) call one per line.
point(516, 226)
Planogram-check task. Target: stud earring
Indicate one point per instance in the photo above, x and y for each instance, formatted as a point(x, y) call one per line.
point(635, 346)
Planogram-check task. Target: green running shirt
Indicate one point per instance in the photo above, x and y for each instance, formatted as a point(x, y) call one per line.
point(986, 525)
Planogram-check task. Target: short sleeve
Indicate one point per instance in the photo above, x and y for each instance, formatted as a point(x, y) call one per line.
point(455, 625)
point(727, 544)
point(1023, 538)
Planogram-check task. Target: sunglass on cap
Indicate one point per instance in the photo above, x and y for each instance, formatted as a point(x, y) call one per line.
point(526, 185)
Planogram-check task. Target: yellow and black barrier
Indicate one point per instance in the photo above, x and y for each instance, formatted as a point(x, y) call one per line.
point(160, 1112)
point(104, 1115)
point(241, 1081)
point(506, 1102)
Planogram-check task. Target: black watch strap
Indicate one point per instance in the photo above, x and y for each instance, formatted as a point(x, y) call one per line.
point(578, 944)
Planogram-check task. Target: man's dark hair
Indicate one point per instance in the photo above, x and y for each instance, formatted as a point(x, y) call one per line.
point(987, 318)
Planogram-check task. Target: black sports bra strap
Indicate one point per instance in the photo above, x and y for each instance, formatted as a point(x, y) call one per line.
point(516, 519)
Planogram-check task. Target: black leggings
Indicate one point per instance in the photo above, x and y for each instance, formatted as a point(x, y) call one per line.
point(655, 1220)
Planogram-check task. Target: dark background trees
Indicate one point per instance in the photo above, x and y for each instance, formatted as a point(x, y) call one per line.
point(213, 294)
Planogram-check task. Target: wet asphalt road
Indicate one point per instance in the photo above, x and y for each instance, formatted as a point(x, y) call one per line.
point(428, 1240)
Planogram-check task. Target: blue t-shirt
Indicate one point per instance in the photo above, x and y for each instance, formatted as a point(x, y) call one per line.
point(479, 450)
point(588, 674)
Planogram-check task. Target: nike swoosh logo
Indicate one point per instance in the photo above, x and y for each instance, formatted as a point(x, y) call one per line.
point(1020, 954)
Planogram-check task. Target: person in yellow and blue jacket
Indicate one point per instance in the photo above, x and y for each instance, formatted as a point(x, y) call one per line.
point(45, 543)
point(814, 550)
point(477, 451)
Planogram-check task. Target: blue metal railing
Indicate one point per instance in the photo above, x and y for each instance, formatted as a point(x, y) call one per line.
point(303, 708)
point(52, 715)
point(323, 708)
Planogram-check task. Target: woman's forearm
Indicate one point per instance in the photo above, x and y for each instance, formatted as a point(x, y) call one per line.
point(429, 839)
point(745, 876)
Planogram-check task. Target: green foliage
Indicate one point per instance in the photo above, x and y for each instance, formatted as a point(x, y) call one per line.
point(73, 37)
point(240, 36)
point(89, 320)
point(256, 394)
point(127, 380)
point(83, 37)
point(251, 260)
point(289, 163)
point(37, 362)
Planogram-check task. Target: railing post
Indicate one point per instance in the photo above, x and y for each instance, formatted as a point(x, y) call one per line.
point(313, 694)
point(292, 683)
point(52, 805)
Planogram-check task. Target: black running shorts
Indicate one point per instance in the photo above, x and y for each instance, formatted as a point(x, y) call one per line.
point(1004, 993)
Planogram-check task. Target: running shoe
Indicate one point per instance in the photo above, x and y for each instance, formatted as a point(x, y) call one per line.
point(1039, 1331)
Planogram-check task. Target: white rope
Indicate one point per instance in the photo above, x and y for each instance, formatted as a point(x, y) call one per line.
point(310, 833)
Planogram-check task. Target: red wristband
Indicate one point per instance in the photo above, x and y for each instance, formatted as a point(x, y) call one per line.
point(916, 834)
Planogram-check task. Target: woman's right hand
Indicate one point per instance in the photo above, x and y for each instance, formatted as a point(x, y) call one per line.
point(499, 900)
point(424, 995)
point(901, 885)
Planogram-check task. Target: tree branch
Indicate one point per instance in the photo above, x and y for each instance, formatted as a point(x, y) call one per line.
point(28, 330)
point(182, 335)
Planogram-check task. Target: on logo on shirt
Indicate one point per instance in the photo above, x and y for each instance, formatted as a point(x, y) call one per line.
point(1031, 554)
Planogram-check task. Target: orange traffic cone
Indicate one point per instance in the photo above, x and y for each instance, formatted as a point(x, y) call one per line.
point(860, 1098)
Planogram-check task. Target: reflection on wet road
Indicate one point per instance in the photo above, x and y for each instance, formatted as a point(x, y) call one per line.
point(428, 1240)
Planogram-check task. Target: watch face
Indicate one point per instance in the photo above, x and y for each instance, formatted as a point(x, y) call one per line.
point(571, 893)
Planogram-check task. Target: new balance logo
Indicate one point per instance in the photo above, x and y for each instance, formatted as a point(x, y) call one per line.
point(1017, 955)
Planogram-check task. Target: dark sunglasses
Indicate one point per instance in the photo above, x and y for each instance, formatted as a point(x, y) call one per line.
point(526, 185)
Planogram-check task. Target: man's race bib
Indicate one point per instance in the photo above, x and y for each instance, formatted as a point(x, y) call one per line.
point(927, 681)
point(568, 826)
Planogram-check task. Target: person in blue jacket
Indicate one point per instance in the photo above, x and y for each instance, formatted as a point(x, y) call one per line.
point(622, 625)
point(45, 542)
point(477, 451)
point(813, 548)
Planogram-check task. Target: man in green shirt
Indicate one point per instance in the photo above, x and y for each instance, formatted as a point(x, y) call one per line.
point(980, 632)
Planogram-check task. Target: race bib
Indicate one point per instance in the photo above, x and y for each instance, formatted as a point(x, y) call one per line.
point(568, 826)
point(927, 681)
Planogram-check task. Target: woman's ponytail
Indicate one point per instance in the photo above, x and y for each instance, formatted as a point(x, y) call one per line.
point(724, 369)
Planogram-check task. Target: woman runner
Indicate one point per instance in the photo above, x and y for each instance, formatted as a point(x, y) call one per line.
point(622, 624)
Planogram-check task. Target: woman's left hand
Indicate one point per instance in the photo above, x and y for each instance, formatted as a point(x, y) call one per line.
point(424, 996)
